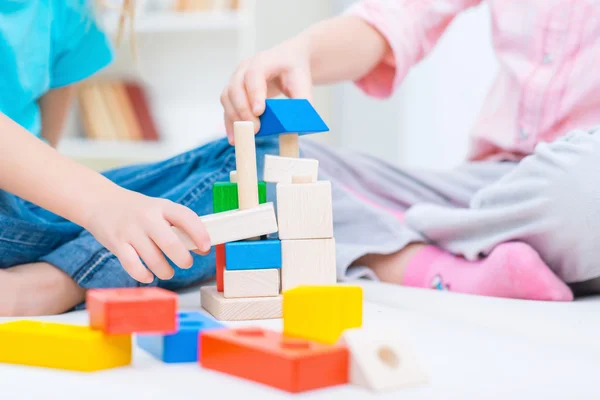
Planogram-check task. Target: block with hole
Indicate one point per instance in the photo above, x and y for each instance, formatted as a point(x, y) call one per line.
point(258, 254)
point(252, 283)
point(307, 262)
point(132, 310)
point(321, 313)
point(231, 226)
point(282, 169)
point(60, 346)
point(181, 346)
point(288, 364)
point(382, 360)
point(225, 196)
point(239, 309)
point(305, 211)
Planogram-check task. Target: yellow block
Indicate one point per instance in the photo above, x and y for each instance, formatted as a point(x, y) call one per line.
point(321, 313)
point(76, 348)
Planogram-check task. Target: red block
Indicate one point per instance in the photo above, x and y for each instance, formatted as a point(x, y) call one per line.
point(220, 256)
point(293, 365)
point(132, 310)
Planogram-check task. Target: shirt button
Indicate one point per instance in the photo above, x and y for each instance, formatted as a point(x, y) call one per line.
point(547, 58)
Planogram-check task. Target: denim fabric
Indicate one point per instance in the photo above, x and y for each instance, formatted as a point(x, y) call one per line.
point(29, 233)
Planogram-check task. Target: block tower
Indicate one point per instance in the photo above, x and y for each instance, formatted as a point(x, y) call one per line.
point(252, 273)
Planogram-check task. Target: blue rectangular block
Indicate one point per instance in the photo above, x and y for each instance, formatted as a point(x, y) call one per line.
point(182, 346)
point(254, 254)
point(290, 116)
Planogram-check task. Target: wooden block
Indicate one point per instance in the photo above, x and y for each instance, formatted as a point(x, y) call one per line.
point(233, 177)
point(282, 169)
point(307, 262)
point(382, 360)
point(181, 346)
point(220, 262)
point(239, 309)
point(289, 146)
point(245, 161)
point(302, 179)
point(230, 226)
point(321, 313)
point(132, 310)
point(270, 358)
point(51, 345)
point(290, 116)
point(251, 283)
point(261, 254)
point(225, 196)
point(305, 211)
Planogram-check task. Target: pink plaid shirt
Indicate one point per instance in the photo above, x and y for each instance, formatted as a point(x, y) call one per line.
point(549, 65)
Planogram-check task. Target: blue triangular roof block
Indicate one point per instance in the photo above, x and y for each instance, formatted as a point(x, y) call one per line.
point(290, 116)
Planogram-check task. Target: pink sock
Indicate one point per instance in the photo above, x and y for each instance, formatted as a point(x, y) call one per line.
point(512, 270)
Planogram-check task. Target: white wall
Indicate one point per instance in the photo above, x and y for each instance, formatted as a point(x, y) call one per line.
point(426, 123)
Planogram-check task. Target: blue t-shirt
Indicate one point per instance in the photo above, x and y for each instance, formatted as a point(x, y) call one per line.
point(45, 44)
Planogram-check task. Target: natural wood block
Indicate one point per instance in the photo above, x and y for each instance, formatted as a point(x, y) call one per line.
point(68, 347)
point(270, 358)
point(305, 211)
point(132, 310)
point(307, 262)
point(321, 313)
point(233, 176)
point(302, 179)
point(282, 169)
point(225, 195)
point(245, 160)
point(230, 226)
point(382, 360)
point(289, 145)
point(252, 283)
point(225, 309)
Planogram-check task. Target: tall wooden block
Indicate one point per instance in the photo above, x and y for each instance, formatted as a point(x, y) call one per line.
point(270, 358)
point(252, 283)
point(307, 262)
point(51, 345)
point(282, 169)
point(132, 310)
point(289, 145)
point(220, 260)
point(181, 346)
point(382, 360)
point(321, 313)
point(258, 254)
point(305, 211)
point(225, 196)
point(245, 160)
point(239, 309)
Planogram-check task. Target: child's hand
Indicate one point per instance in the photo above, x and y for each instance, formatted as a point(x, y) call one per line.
point(134, 226)
point(282, 69)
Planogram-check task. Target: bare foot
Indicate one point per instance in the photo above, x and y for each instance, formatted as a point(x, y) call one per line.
point(390, 267)
point(37, 289)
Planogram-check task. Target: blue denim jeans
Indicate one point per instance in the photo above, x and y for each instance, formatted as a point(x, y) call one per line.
point(29, 233)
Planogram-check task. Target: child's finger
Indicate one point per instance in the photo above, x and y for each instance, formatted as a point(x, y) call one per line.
point(187, 220)
point(169, 243)
point(131, 263)
point(153, 258)
point(239, 100)
point(256, 81)
point(230, 114)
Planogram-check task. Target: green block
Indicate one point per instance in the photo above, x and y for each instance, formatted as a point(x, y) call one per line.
point(225, 196)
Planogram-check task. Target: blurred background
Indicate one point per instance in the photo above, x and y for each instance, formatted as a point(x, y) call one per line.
point(163, 98)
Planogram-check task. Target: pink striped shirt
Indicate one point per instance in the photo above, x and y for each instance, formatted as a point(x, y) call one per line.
point(549, 65)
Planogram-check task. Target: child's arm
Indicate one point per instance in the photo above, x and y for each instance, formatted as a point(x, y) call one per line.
point(129, 224)
point(54, 107)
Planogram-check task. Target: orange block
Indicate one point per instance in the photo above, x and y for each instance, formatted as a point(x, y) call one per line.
point(132, 310)
point(220, 256)
point(293, 365)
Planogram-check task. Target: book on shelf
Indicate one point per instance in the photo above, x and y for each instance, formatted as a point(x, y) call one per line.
point(116, 111)
point(206, 5)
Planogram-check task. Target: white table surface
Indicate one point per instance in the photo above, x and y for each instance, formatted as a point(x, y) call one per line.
point(464, 357)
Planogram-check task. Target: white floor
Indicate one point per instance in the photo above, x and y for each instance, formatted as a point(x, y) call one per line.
point(471, 347)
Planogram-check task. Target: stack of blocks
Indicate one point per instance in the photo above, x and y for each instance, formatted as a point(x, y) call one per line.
point(252, 273)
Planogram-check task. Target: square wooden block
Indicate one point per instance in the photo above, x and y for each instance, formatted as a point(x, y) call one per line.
point(307, 262)
point(283, 169)
point(251, 283)
point(239, 309)
point(304, 210)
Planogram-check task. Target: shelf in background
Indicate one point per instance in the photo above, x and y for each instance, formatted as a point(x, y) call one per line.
point(189, 21)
